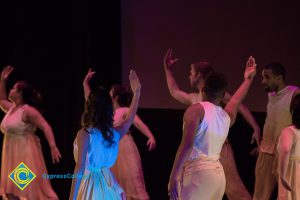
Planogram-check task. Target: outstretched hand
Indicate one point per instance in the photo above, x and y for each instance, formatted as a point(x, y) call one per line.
point(250, 70)
point(134, 82)
point(88, 76)
point(169, 60)
point(6, 72)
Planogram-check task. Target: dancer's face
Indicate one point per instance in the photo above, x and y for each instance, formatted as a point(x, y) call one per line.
point(194, 77)
point(270, 81)
point(14, 93)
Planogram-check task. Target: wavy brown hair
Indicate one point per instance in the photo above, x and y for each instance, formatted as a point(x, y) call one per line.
point(98, 113)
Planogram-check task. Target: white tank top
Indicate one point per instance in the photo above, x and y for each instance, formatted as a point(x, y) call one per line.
point(278, 117)
point(211, 134)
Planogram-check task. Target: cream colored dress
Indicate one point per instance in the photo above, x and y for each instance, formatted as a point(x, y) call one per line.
point(20, 144)
point(128, 167)
point(293, 170)
point(98, 183)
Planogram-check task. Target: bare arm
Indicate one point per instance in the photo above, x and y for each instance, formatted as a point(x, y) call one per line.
point(174, 89)
point(143, 128)
point(136, 88)
point(286, 143)
point(192, 117)
point(33, 116)
point(232, 106)
point(86, 86)
point(4, 103)
point(83, 143)
point(243, 110)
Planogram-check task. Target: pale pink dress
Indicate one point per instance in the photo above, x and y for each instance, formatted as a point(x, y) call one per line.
point(20, 144)
point(128, 167)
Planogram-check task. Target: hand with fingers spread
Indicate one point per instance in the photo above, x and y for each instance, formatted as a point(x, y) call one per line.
point(134, 82)
point(169, 60)
point(88, 76)
point(250, 70)
point(55, 154)
point(6, 72)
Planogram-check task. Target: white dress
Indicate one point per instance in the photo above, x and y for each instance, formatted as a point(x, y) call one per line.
point(98, 183)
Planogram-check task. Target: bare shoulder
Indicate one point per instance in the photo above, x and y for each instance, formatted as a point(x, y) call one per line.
point(30, 109)
point(30, 112)
point(83, 134)
point(195, 111)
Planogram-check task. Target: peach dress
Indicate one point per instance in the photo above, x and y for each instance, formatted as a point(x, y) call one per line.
point(128, 167)
point(20, 144)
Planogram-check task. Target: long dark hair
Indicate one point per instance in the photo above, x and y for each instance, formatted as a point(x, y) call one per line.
point(98, 113)
point(123, 93)
point(30, 95)
point(295, 110)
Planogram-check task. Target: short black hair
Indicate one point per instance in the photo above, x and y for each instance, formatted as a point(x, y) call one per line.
point(215, 85)
point(277, 69)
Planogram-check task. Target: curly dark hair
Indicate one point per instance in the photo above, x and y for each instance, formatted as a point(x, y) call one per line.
point(30, 95)
point(295, 110)
point(123, 93)
point(98, 113)
point(215, 85)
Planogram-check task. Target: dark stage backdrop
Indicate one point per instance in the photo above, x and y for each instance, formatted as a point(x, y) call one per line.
point(52, 44)
point(224, 32)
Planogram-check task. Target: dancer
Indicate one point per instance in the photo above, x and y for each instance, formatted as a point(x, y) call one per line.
point(278, 117)
point(128, 167)
point(235, 189)
point(197, 170)
point(289, 156)
point(20, 144)
point(96, 145)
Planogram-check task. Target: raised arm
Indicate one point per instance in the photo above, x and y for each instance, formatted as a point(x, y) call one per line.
point(244, 111)
point(192, 118)
point(136, 89)
point(285, 145)
point(86, 81)
point(4, 103)
point(232, 106)
point(33, 116)
point(174, 89)
point(143, 128)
